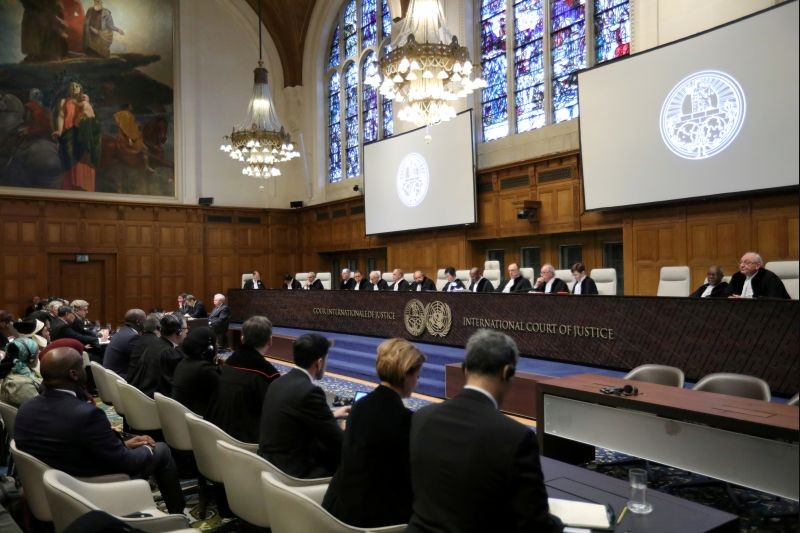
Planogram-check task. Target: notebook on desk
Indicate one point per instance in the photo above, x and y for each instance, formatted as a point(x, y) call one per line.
point(582, 514)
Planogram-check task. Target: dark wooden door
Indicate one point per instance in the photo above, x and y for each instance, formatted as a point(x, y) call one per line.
point(85, 281)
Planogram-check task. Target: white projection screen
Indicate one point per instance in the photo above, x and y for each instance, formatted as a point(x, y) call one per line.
point(730, 127)
point(411, 184)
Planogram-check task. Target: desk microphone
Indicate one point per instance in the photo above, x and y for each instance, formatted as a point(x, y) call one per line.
point(627, 390)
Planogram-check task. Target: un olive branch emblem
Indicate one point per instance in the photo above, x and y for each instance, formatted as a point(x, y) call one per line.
point(436, 317)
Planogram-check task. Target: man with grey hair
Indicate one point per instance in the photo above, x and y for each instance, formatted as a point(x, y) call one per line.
point(348, 283)
point(548, 283)
point(399, 283)
point(376, 283)
point(473, 468)
point(219, 318)
point(61, 328)
point(755, 281)
point(312, 283)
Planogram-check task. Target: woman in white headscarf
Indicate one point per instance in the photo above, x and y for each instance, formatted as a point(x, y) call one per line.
point(22, 383)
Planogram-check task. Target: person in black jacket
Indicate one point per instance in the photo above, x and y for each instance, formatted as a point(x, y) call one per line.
point(118, 352)
point(195, 308)
point(348, 283)
point(312, 283)
point(255, 282)
point(453, 283)
point(372, 486)
point(422, 282)
point(398, 281)
point(290, 283)
point(219, 319)
point(473, 469)
point(477, 282)
point(755, 281)
point(714, 287)
point(583, 283)
point(548, 283)
point(154, 360)
point(361, 283)
point(376, 283)
point(196, 377)
point(61, 328)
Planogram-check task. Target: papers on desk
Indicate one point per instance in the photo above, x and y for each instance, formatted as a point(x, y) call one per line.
point(580, 514)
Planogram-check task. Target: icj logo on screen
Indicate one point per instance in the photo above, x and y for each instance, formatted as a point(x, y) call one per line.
point(702, 114)
point(413, 179)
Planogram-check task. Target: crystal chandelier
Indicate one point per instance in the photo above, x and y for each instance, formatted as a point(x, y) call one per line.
point(260, 142)
point(426, 69)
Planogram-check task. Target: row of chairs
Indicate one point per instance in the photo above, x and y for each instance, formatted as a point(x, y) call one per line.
point(677, 280)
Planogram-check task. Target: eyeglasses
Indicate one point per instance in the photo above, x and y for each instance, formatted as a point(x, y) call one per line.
point(748, 263)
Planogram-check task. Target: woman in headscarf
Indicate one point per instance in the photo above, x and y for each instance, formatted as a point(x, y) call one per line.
point(22, 383)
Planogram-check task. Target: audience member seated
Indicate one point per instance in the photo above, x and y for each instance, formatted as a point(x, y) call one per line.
point(35, 305)
point(182, 303)
point(196, 377)
point(548, 283)
point(516, 281)
point(21, 384)
point(61, 327)
point(255, 282)
point(422, 282)
point(312, 283)
point(6, 329)
point(398, 281)
point(243, 383)
point(290, 283)
point(82, 324)
point(376, 283)
point(372, 486)
point(453, 283)
point(583, 283)
point(472, 467)
point(714, 287)
point(76, 437)
point(299, 434)
point(219, 319)
point(361, 284)
point(755, 281)
point(154, 359)
point(195, 308)
point(348, 283)
point(118, 351)
point(477, 282)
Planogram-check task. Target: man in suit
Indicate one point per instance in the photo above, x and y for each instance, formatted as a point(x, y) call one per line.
point(453, 283)
point(348, 283)
point(361, 284)
point(477, 282)
point(398, 281)
point(473, 469)
point(76, 437)
point(61, 328)
point(548, 283)
point(81, 324)
point(299, 434)
point(219, 318)
point(195, 308)
point(714, 287)
point(583, 283)
point(182, 303)
point(255, 282)
point(422, 282)
point(755, 281)
point(158, 353)
point(376, 282)
point(516, 281)
point(118, 351)
point(312, 283)
point(289, 283)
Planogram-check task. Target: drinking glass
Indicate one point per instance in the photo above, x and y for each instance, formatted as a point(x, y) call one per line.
point(638, 502)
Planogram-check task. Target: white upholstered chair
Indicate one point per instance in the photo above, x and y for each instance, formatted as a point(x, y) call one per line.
point(172, 414)
point(494, 276)
point(527, 272)
point(491, 265)
point(674, 281)
point(566, 276)
point(325, 278)
point(463, 275)
point(735, 385)
point(409, 277)
point(661, 374)
point(140, 411)
point(441, 279)
point(246, 277)
point(387, 277)
point(789, 272)
point(606, 280)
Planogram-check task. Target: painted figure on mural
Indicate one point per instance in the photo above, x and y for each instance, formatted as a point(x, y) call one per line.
point(78, 135)
point(43, 34)
point(37, 121)
point(130, 136)
point(74, 17)
point(98, 30)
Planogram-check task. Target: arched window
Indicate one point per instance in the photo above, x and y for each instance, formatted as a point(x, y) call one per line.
point(356, 112)
point(549, 41)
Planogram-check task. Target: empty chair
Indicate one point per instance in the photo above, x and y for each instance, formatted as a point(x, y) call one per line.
point(325, 278)
point(441, 279)
point(70, 498)
point(463, 275)
point(291, 511)
point(606, 280)
point(102, 382)
point(242, 480)
point(112, 388)
point(735, 385)
point(789, 272)
point(172, 415)
point(140, 410)
point(566, 276)
point(674, 281)
point(793, 400)
point(8, 413)
point(527, 273)
point(661, 374)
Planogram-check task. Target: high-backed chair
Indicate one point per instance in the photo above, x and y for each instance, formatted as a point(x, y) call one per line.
point(172, 415)
point(70, 498)
point(101, 381)
point(661, 374)
point(566, 276)
point(674, 281)
point(325, 278)
point(246, 277)
point(409, 277)
point(441, 279)
point(794, 399)
point(140, 411)
point(789, 272)
point(30, 472)
point(493, 275)
point(302, 277)
point(386, 276)
point(605, 279)
point(204, 437)
point(463, 275)
point(491, 265)
point(291, 511)
point(726, 279)
point(735, 385)
point(242, 479)
point(527, 272)
point(113, 389)
point(8, 413)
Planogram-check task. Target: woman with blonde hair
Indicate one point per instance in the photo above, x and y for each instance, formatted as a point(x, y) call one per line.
point(372, 486)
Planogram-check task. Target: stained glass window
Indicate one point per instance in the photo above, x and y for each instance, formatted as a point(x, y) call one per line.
point(351, 119)
point(333, 54)
point(529, 64)
point(334, 130)
point(568, 42)
point(386, 18)
point(350, 29)
point(369, 99)
point(369, 27)
point(612, 29)
point(494, 98)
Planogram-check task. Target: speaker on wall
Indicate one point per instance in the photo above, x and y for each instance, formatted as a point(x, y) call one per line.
point(298, 203)
point(206, 200)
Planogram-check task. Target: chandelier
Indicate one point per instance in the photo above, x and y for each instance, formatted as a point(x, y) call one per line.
point(260, 142)
point(426, 69)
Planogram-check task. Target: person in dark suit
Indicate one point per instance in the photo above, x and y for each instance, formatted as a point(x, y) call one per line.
point(372, 486)
point(312, 283)
point(583, 283)
point(81, 324)
point(219, 319)
point(196, 377)
point(361, 284)
point(255, 282)
point(182, 308)
point(398, 281)
point(195, 308)
point(714, 287)
point(348, 283)
point(473, 469)
point(61, 328)
point(243, 383)
point(548, 283)
point(376, 282)
point(477, 282)
point(422, 282)
point(299, 434)
point(118, 351)
point(516, 281)
point(453, 283)
point(76, 437)
point(158, 353)
point(290, 283)
point(755, 281)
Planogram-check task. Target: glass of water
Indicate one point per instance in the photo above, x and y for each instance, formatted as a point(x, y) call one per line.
point(638, 503)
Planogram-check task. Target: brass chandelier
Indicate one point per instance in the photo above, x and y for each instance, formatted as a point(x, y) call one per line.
point(426, 69)
point(260, 142)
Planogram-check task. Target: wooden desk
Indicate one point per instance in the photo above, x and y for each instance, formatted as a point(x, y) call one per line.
point(746, 442)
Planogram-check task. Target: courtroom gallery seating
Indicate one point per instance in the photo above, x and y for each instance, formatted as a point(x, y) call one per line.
point(735, 385)
point(674, 281)
point(789, 272)
point(606, 280)
point(661, 374)
point(140, 411)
